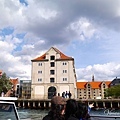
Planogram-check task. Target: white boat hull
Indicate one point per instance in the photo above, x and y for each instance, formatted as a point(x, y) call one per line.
point(8, 98)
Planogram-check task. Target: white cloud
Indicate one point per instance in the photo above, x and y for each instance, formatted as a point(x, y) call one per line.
point(83, 29)
point(57, 23)
point(101, 72)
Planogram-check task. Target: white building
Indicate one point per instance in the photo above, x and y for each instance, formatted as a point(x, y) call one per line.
point(53, 73)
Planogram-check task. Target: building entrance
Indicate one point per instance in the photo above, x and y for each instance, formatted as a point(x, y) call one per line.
point(51, 92)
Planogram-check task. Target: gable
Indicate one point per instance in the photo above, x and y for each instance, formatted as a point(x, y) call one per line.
point(61, 55)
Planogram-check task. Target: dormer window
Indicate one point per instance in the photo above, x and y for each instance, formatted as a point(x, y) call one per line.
point(88, 85)
point(52, 57)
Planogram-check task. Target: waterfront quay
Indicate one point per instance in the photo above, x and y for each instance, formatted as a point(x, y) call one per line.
point(46, 103)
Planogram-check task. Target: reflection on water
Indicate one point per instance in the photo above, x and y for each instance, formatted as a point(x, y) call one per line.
point(32, 114)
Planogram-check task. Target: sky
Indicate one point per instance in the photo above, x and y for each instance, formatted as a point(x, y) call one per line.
point(87, 30)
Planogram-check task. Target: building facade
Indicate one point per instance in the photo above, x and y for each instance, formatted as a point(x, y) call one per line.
point(53, 73)
point(24, 89)
point(92, 90)
point(115, 82)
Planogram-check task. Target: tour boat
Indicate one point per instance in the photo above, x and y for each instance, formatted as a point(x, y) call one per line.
point(8, 111)
point(8, 98)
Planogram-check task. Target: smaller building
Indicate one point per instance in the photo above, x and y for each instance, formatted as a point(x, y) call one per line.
point(14, 82)
point(92, 90)
point(24, 89)
point(115, 81)
point(12, 91)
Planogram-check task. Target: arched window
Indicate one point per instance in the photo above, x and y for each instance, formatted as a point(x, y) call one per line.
point(51, 92)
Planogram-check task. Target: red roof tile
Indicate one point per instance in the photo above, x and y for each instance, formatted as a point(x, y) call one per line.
point(14, 81)
point(94, 85)
point(62, 56)
point(81, 85)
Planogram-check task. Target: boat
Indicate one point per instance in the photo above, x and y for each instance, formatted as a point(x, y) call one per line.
point(107, 115)
point(8, 98)
point(8, 111)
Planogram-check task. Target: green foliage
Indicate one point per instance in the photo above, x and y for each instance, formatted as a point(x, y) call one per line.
point(5, 83)
point(113, 91)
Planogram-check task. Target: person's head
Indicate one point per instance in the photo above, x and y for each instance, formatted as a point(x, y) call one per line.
point(58, 104)
point(82, 111)
point(71, 108)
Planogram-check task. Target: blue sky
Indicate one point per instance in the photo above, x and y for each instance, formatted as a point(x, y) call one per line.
point(89, 31)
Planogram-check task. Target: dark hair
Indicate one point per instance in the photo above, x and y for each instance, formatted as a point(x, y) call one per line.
point(76, 109)
point(56, 112)
point(82, 111)
point(71, 108)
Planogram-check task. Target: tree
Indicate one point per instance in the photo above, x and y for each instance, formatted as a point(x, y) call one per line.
point(113, 91)
point(5, 83)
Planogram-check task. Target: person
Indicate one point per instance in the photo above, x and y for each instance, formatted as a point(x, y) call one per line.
point(66, 94)
point(83, 111)
point(69, 94)
point(76, 110)
point(57, 111)
point(58, 94)
point(2, 94)
point(63, 94)
point(71, 109)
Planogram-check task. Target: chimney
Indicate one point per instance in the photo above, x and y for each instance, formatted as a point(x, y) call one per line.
point(93, 78)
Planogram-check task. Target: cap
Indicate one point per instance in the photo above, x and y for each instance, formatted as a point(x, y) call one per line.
point(58, 100)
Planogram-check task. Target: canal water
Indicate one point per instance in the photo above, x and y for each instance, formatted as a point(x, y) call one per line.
point(32, 114)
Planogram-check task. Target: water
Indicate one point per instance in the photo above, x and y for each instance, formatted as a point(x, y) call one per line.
point(32, 114)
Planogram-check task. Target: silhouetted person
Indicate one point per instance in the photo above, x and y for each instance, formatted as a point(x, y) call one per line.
point(69, 94)
point(66, 94)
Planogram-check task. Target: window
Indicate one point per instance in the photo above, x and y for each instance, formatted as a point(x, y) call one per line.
point(103, 85)
point(64, 71)
point(40, 72)
point(39, 64)
point(88, 85)
point(64, 79)
point(52, 72)
point(52, 80)
point(52, 64)
point(39, 79)
point(64, 63)
point(52, 57)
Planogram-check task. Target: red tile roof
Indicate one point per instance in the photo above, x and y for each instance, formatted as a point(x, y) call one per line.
point(81, 85)
point(94, 85)
point(14, 81)
point(62, 56)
